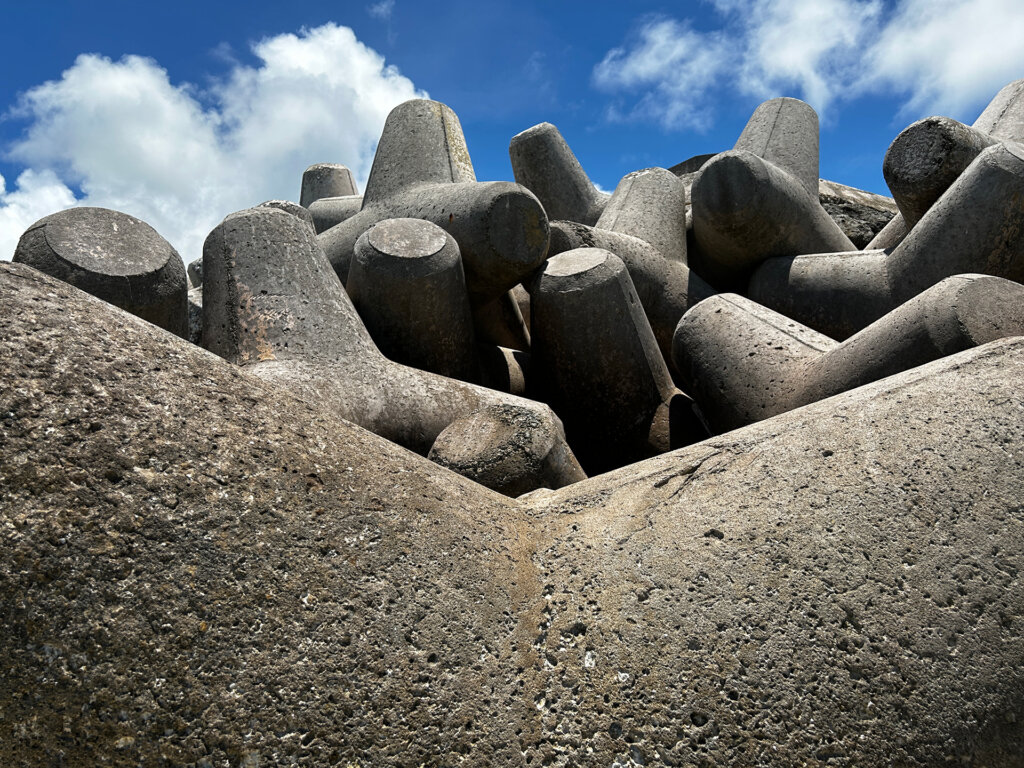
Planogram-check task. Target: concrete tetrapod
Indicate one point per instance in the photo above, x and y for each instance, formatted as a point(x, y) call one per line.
point(650, 204)
point(422, 170)
point(199, 568)
point(289, 207)
point(930, 154)
point(666, 289)
point(743, 362)
point(596, 361)
point(784, 132)
point(543, 163)
point(115, 257)
point(508, 449)
point(973, 228)
point(272, 304)
point(407, 285)
point(328, 211)
point(326, 180)
point(746, 210)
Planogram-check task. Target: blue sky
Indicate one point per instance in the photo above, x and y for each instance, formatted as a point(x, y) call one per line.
point(182, 112)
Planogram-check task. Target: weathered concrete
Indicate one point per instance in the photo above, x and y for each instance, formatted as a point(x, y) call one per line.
point(501, 322)
point(596, 361)
point(115, 257)
point(746, 210)
point(328, 211)
point(289, 207)
point(743, 362)
point(973, 228)
point(1003, 118)
point(508, 449)
point(666, 289)
point(326, 180)
point(195, 315)
point(543, 163)
point(407, 285)
point(272, 304)
point(422, 170)
point(651, 205)
point(198, 568)
point(784, 132)
point(195, 272)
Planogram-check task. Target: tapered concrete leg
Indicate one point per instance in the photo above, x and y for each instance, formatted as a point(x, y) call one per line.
point(784, 132)
point(289, 207)
point(328, 211)
point(407, 284)
point(651, 205)
point(595, 360)
point(500, 322)
point(890, 235)
point(509, 450)
point(1003, 118)
point(543, 163)
point(115, 257)
point(326, 180)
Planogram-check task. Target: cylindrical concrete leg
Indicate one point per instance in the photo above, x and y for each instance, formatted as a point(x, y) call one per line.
point(784, 132)
point(503, 369)
point(500, 322)
point(595, 359)
point(746, 210)
point(890, 235)
point(974, 227)
point(328, 211)
point(836, 294)
point(1003, 118)
point(326, 180)
point(956, 314)
point(509, 449)
point(926, 158)
point(543, 163)
point(406, 282)
point(741, 361)
point(289, 207)
point(651, 205)
point(115, 257)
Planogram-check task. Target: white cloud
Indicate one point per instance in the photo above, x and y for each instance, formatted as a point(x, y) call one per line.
point(382, 10)
point(672, 64)
point(944, 56)
point(38, 194)
point(133, 141)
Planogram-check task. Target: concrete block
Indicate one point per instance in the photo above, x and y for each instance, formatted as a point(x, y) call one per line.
point(407, 285)
point(746, 210)
point(651, 205)
point(508, 449)
point(596, 362)
point(422, 171)
point(115, 257)
point(195, 272)
point(543, 163)
point(784, 132)
point(195, 315)
point(743, 362)
point(326, 180)
point(328, 211)
point(272, 303)
point(499, 321)
point(973, 228)
point(1003, 118)
point(289, 207)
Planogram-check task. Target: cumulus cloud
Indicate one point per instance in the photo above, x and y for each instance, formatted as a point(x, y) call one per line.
point(942, 56)
point(180, 158)
point(672, 65)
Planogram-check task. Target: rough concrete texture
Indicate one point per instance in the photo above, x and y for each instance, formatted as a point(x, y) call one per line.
point(501, 322)
point(596, 362)
point(743, 362)
point(115, 257)
point(651, 205)
point(543, 163)
point(508, 449)
point(272, 304)
point(422, 170)
point(326, 180)
point(784, 132)
point(195, 272)
point(889, 236)
point(1003, 118)
point(926, 158)
point(197, 568)
point(973, 228)
point(666, 289)
point(195, 315)
point(746, 210)
point(861, 215)
point(328, 211)
point(289, 207)
point(407, 285)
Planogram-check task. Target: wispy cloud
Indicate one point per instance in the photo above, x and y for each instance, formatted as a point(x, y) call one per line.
point(382, 10)
point(128, 138)
point(948, 56)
